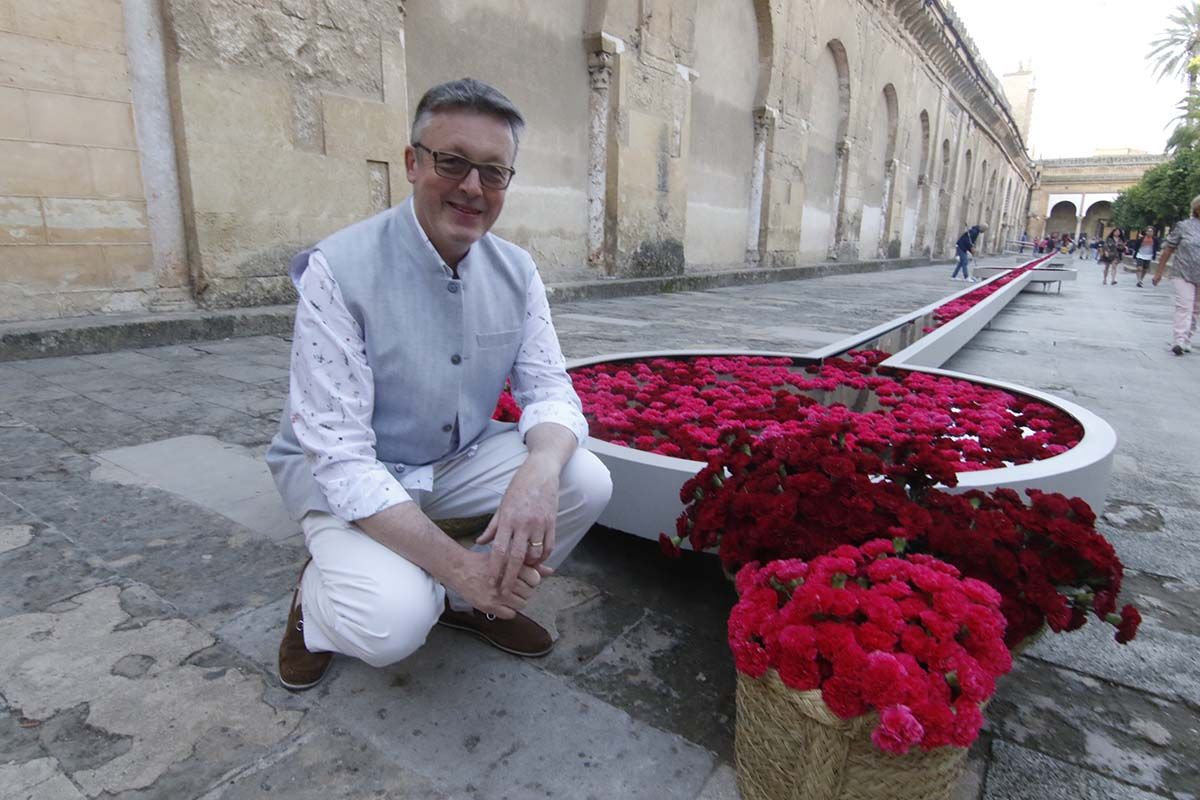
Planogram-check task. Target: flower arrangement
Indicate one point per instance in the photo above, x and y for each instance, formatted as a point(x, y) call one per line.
point(802, 489)
point(876, 631)
point(676, 406)
point(960, 305)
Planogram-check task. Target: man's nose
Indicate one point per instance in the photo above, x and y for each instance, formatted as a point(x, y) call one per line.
point(470, 184)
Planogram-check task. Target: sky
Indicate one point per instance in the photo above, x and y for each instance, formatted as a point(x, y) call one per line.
point(1095, 88)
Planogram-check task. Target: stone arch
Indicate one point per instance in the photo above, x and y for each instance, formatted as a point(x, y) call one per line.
point(1098, 219)
point(923, 180)
point(988, 212)
point(978, 196)
point(766, 51)
point(1062, 218)
point(879, 175)
point(823, 227)
point(721, 140)
point(546, 210)
point(968, 176)
point(944, 194)
point(997, 202)
point(1006, 232)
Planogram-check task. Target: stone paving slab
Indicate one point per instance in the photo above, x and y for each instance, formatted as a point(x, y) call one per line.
point(224, 478)
point(639, 683)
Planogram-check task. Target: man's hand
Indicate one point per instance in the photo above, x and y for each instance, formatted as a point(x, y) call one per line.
point(522, 529)
point(477, 584)
point(404, 529)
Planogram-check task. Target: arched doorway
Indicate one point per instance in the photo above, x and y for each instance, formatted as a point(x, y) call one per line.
point(879, 175)
point(821, 228)
point(922, 181)
point(1061, 219)
point(1098, 220)
point(944, 194)
point(721, 142)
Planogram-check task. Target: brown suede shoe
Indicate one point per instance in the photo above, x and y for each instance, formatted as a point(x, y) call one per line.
point(299, 668)
point(520, 635)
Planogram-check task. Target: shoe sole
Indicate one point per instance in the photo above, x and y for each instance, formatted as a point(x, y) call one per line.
point(493, 642)
point(299, 687)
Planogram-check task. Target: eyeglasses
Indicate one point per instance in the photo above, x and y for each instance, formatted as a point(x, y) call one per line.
point(457, 168)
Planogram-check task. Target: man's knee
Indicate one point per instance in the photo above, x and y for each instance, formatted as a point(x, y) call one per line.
point(587, 482)
point(392, 621)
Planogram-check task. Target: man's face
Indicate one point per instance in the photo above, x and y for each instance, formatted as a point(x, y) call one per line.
point(457, 213)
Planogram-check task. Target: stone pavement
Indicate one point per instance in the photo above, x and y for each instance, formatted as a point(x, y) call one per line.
point(145, 571)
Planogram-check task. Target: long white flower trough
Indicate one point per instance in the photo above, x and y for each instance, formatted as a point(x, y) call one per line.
point(646, 485)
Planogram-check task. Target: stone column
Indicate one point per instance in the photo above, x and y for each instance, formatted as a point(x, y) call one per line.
point(889, 184)
point(840, 176)
point(156, 143)
point(764, 123)
point(600, 67)
point(922, 213)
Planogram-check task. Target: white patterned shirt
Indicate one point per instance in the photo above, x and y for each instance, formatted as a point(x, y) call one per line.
point(334, 378)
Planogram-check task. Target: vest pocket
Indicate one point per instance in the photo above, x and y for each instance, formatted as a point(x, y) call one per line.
point(498, 339)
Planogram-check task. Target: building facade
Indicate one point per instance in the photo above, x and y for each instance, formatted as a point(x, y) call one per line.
point(1075, 195)
point(162, 154)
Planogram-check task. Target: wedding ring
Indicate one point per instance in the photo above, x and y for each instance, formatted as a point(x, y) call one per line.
point(535, 544)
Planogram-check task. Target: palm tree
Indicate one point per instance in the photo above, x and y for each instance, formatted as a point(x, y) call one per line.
point(1176, 50)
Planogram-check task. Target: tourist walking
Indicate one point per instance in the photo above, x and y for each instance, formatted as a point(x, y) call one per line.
point(1145, 250)
point(408, 325)
point(1110, 254)
point(965, 248)
point(1024, 241)
point(1183, 242)
point(1081, 247)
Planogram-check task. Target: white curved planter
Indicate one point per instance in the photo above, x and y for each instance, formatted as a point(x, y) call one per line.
point(646, 485)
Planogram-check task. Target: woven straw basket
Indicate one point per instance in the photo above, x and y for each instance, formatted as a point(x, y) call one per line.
point(790, 746)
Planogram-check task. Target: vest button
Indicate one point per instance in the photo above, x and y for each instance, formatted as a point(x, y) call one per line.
point(399, 468)
point(452, 288)
point(456, 359)
point(447, 428)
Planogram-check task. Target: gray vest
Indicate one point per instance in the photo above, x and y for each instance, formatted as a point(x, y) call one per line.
point(440, 348)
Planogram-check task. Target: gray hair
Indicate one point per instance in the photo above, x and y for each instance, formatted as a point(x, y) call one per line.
point(467, 94)
point(982, 227)
point(1196, 206)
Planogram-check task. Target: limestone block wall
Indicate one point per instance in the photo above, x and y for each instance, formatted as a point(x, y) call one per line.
point(74, 236)
point(664, 136)
point(290, 120)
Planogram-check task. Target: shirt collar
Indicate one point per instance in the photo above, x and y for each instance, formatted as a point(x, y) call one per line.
point(432, 251)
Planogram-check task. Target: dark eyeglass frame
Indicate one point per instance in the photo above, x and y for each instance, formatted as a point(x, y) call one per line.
point(491, 176)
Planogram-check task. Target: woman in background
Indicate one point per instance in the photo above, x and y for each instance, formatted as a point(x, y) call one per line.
point(1184, 243)
point(1110, 254)
point(1145, 250)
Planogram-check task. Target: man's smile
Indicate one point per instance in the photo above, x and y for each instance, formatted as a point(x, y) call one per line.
point(474, 212)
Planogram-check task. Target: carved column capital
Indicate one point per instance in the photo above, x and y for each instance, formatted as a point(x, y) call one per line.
point(843, 148)
point(764, 119)
point(600, 64)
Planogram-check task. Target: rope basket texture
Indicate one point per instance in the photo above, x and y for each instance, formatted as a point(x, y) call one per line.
point(790, 746)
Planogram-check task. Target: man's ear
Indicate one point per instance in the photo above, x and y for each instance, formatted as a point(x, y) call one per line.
point(410, 163)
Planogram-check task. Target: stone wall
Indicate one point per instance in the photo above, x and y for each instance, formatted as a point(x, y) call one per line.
point(1074, 195)
point(74, 236)
point(665, 136)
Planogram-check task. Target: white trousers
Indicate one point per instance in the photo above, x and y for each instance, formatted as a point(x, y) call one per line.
point(364, 600)
point(1187, 310)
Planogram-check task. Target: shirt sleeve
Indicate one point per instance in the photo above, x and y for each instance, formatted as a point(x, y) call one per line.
point(1174, 237)
point(540, 383)
point(331, 400)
